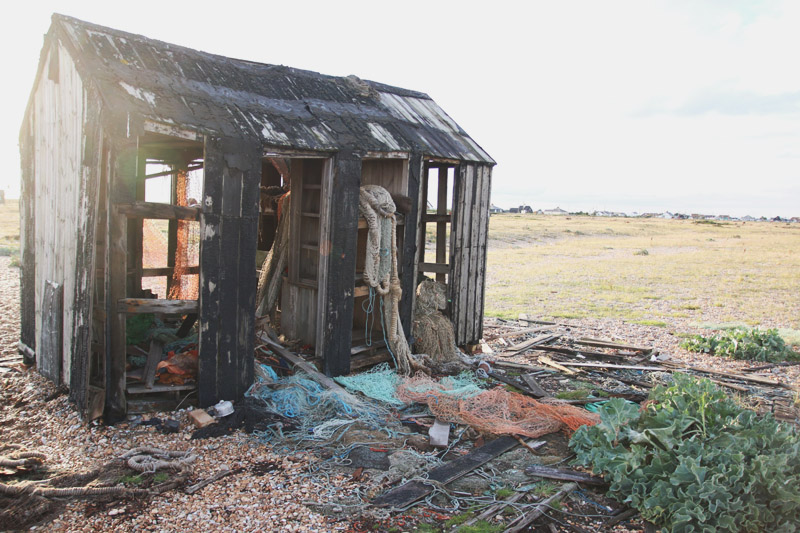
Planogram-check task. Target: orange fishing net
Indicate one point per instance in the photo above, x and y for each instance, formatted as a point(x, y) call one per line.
point(496, 411)
point(187, 252)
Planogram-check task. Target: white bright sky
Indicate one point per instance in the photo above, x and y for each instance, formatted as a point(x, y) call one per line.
point(683, 105)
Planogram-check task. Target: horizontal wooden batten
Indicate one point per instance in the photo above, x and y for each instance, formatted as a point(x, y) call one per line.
point(277, 152)
point(134, 306)
point(387, 155)
point(436, 218)
point(437, 268)
point(171, 131)
point(159, 211)
point(167, 271)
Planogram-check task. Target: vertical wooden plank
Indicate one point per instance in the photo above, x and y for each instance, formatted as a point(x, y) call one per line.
point(248, 279)
point(325, 209)
point(456, 238)
point(473, 256)
point(121, 190)
point(49, 355)
point(422, 206)
point(481, 288)
point(343, 233)
point(441, 227)
point(210, 263)
point(27, 239)
point(229, 227)
point(295, 208)
point(410, 249)
point(84, 273)
point(465, 227)
point(227, 360)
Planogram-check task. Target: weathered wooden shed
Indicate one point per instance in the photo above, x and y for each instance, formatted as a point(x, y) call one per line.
point(110, 112)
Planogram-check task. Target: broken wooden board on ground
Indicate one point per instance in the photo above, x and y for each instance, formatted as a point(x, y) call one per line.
point(730, 375)
point(609, 365)
point(537, 341)
point(549, 362)
point(534, 386)
point(564, 474)
point(600, 343)
point(516, 333)
point(406, 494)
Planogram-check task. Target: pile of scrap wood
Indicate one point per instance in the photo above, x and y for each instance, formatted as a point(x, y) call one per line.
point(536, 356)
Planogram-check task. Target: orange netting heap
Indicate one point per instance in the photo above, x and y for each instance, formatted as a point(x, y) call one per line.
point(496, 411)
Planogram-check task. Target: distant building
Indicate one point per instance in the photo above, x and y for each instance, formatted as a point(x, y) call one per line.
point(525, 209)
point(556, 211)
point(495, 209)
point(748, 218)
point(514, 210)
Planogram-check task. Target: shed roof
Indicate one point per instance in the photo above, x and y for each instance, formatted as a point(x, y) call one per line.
point(281, 106)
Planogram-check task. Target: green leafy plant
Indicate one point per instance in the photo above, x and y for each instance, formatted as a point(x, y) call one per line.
point(742, 343)
point(693, 460)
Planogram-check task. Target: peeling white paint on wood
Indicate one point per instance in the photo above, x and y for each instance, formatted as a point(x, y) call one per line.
point(59, 112)
point(383, 136)
point(141, 94)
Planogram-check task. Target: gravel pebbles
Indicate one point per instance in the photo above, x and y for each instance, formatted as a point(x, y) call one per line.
point(270, 490)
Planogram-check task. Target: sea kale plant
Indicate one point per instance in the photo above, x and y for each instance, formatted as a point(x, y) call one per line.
point(741, 343)
point(691, 459)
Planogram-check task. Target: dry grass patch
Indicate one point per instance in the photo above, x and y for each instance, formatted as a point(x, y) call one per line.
point(588, 267)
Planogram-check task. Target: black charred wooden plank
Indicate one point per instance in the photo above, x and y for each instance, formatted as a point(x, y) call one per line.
point(186, 326)
point(210, 265)
point(410, 243)
point(227, 358)
point(248, 242)
point(404, 495)
point(338, 300)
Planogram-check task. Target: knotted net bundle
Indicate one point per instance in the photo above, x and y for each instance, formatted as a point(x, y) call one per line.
point(495, 411)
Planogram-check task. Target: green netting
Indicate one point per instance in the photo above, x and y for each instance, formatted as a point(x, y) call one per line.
point(378, 383)
point(381, 384)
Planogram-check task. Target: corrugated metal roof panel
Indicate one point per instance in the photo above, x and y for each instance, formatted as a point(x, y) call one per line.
point(281, 106)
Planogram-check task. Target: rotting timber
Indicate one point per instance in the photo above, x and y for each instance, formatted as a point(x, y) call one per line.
point(114, 118)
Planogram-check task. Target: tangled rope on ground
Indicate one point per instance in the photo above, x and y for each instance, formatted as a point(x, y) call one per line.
point(149, 459)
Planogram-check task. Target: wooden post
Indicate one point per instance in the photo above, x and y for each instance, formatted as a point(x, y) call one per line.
point(441, 227)
point(121, 190)
point(409, 251)
point(229, 230)
point(337, 332)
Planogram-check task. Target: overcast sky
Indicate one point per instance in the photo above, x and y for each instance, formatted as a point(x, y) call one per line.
point(690, 106)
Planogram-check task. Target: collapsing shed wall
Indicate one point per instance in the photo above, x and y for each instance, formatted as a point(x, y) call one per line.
point(469, 234)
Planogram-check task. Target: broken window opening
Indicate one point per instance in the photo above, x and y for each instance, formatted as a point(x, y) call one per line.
point(438, 185)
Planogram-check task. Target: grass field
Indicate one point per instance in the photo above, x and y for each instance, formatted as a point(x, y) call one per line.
point(648, 271)
point(9, 227)
point(671, 273)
